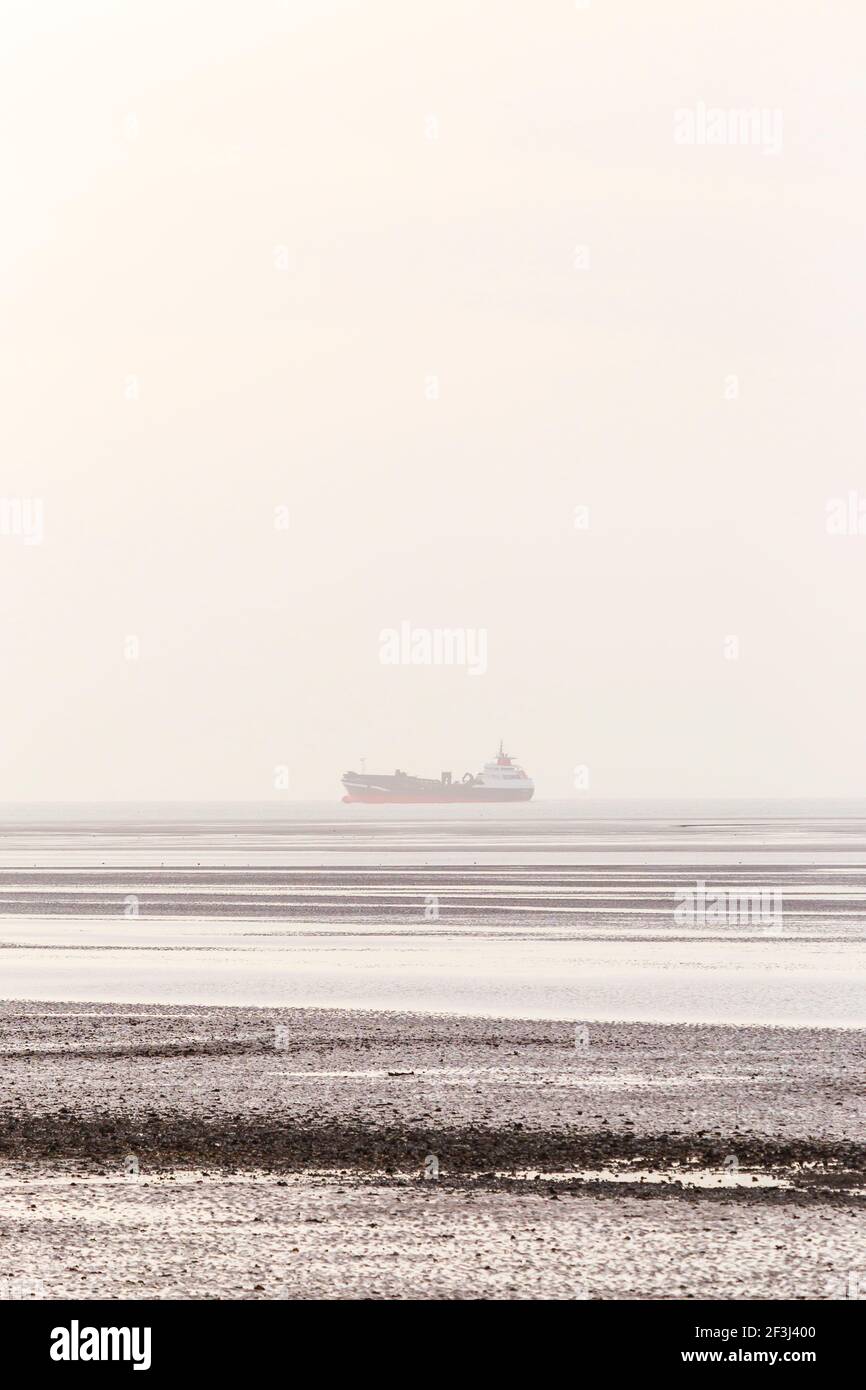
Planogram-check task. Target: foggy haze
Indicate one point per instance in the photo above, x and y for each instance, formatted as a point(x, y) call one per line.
point(322, 320)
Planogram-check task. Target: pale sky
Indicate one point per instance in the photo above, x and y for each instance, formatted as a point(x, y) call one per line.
point(430, 277)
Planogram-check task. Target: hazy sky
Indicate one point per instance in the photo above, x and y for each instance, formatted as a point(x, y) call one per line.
point(431, 277)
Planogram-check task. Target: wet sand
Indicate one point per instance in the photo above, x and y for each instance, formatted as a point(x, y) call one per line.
point(267, 1153)
point(318, 1007)
point(303, 1237)
point(535, 917)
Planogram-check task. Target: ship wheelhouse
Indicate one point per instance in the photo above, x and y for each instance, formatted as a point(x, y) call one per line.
point(503, 771)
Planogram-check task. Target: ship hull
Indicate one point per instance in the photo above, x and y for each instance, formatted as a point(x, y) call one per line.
point(452, 796)
point(421, 791)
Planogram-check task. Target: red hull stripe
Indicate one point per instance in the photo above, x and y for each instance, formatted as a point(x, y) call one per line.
point(432, 800)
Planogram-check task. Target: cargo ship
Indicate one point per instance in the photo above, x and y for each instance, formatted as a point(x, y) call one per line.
point(499, 780)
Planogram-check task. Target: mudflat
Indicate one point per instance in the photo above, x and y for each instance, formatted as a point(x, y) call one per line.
point(152, 1151)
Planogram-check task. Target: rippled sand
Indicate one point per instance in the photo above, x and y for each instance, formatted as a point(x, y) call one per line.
point(303, 1236)
point(259, 1153)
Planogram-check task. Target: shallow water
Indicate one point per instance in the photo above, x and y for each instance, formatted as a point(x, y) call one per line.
point(532, 912)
